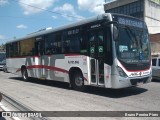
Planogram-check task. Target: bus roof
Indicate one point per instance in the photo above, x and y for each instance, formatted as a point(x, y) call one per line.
point(85, 21)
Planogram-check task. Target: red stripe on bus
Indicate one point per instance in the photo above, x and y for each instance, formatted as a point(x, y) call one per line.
point(57, 69)
point(48, 67)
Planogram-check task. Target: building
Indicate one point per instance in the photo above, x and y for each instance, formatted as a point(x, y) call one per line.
point(147, 10)
point(155, 43)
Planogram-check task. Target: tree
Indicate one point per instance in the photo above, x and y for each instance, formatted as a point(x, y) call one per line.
point(2, 47)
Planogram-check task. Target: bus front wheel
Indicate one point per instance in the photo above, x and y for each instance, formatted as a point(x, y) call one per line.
point(78, 81)
point(24, 74)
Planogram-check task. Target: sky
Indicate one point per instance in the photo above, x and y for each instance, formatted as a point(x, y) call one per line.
point(21, 17)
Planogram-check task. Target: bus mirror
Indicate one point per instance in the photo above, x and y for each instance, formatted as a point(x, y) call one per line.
point(115, 33)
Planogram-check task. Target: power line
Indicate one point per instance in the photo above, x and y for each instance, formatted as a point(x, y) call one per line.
point(47, 10)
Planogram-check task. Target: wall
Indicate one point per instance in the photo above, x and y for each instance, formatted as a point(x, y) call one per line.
point(152, 15)
point(117, 4)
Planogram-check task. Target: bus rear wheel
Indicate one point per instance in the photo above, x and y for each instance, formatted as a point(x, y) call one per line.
point(24, 74)
point(78, 81)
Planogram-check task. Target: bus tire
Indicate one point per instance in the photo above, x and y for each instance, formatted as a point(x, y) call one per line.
point(24, 74)
point(77, 81)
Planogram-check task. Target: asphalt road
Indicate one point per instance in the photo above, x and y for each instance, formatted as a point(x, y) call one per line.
point(42, 95)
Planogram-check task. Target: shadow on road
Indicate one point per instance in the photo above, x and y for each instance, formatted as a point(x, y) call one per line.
point(116, 93)
point(44, 82)
point(112, 93)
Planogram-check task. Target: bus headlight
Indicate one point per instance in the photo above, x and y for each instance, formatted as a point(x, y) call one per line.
point(121, 72)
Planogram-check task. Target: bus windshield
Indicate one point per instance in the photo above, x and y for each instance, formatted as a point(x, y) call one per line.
point(2, 58)
point(133, 45)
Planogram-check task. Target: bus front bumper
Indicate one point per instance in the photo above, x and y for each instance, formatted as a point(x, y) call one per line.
point(120, 82)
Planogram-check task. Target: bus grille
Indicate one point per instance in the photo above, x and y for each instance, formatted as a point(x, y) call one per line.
point(141, 80)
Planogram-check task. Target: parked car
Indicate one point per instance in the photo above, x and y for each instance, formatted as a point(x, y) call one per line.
point(2, 60)
point(156, 68)
point(0, 97)
point(5, 69)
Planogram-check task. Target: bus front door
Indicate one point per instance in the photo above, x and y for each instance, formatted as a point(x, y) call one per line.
point(96, 48)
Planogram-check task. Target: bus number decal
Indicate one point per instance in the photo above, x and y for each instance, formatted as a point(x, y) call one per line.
point(73, 62)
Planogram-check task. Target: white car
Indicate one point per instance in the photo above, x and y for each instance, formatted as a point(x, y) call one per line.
point(5, 68)
point(2, 60)
point(156, 68)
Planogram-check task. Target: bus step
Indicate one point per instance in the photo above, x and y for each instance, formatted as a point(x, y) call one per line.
point(93, 79)
point(101, 80)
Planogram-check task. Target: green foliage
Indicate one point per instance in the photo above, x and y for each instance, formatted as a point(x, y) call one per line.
point(2, 47)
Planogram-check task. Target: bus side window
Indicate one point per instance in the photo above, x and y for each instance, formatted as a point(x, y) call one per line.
point(71, 43)
point(58, 43)
point(83, 44)
point(53, 44)
point(26, 47)
point(74, 46)
point(49, 43)
point(66, 46)
point(14, 49)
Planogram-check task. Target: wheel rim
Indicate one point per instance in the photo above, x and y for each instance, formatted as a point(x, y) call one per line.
point(79, 81)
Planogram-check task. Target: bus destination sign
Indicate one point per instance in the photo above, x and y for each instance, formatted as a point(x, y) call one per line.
point(129, 21)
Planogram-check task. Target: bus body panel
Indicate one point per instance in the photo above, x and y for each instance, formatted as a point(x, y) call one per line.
point(50, 67)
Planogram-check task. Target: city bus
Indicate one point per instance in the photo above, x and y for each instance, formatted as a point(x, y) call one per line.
point(109, 50)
